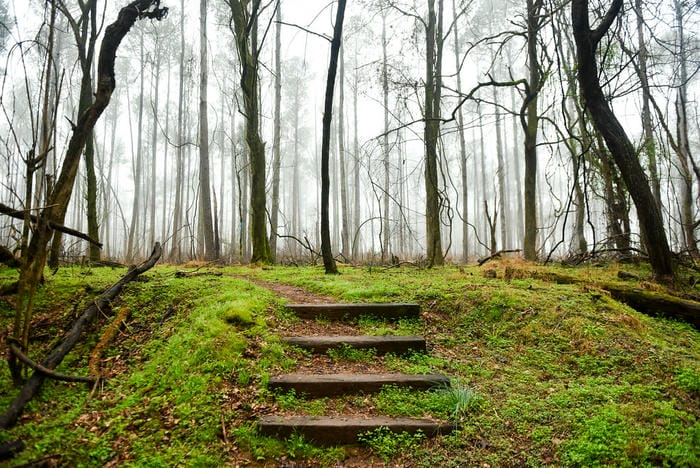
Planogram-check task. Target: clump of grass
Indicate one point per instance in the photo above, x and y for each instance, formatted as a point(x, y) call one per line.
point(387, 444)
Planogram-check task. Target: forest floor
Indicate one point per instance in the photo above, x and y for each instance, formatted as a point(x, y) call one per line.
point(543, 374)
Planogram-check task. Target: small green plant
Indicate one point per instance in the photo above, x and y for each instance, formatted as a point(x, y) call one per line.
point(386, 444)
point(688, 379)
point(464, 400)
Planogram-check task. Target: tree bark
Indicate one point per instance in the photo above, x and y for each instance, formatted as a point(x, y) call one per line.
point(326, 252)
point(244, 22)
point(530, 125)
point(276, 138)
point(462, 143)
point(205, 213)
point(433, 84)
point(617, 141)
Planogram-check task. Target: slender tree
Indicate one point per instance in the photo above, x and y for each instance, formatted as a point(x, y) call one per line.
point(276, 138)
point(206, 221)
point(244, 24)
point(328, 260)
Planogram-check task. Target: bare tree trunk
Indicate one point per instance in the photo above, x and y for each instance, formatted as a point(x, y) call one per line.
point(205, 213)
point(155, 87)
point(344, 215)
point(133, 244)
point(501, 174)
point(462, 143)
point(357, 239)
point(431, 133)
point(276, 160)
point(328, 260)
point(178, 211)
point(530, 125)
point(650, 220)
point(649, 145)
point(685, 156)
point(386, 229)
point(245, 24)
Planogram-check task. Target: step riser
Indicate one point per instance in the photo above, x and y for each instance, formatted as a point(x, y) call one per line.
point(351, 312)
point(381, 344)
point(315, 386)
point(342, 431)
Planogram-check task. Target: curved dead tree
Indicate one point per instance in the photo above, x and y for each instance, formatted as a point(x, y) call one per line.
point(34, 258)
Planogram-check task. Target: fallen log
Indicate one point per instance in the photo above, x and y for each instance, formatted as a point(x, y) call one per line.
point(655, 303)
point(498, 254)
point(33, 385)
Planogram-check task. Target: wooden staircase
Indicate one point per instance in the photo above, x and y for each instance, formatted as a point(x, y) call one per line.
point(344, 430)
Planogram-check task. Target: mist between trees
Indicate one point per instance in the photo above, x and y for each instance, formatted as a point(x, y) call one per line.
point(459, 129)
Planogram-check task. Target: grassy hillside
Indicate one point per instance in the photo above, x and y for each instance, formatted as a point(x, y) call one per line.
point(543, 373)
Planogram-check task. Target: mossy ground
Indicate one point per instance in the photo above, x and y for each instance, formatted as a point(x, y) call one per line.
point(553, 374)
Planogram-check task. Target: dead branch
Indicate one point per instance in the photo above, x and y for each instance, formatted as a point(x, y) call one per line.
point(108, 336)
point(33, 385)
point(497, 255)
point(46, 372)
point(19, 214)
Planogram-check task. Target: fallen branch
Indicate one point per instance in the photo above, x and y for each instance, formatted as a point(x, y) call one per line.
point(46, 372)
point(18, 214)
point(33, 385)
point(108, 336)
point(497, 255)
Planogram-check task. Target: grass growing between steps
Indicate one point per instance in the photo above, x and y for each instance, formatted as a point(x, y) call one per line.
point(567, 375)
point(547, 373)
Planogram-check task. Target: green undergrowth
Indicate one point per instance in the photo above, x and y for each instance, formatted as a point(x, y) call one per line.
point(543, 373)
point(564, 374)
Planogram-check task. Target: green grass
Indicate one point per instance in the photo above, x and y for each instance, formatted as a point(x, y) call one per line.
point(543, 373)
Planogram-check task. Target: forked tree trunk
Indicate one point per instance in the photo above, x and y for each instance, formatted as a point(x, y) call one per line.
point(617, 141)
point(244, 23)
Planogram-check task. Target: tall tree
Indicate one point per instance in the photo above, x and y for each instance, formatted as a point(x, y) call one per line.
point(244, 15)
point(386, 229)
point(462, 140)
point(205, 215)
point(344, 212)
point(328, 260)
point(530, 125)
point(684, 155)
point(276, 138)
point(431, 133)
point(178, 210)
point(617, 141)
point(85, 31)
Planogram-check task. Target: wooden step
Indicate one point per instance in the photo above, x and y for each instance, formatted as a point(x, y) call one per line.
point(382, 344)
point(320, 385)
point(388, 311)
point(341, 431)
